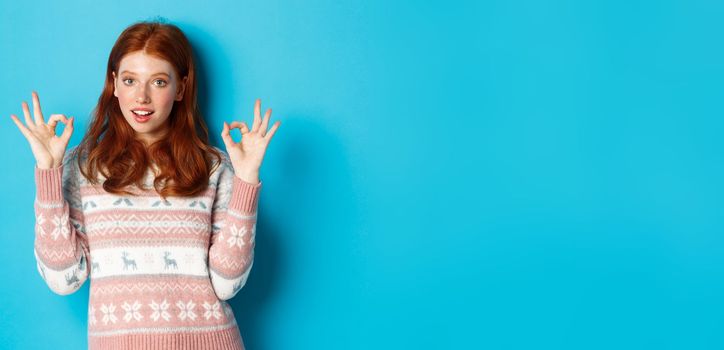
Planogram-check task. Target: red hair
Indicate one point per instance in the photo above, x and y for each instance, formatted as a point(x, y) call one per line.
point(110, 146)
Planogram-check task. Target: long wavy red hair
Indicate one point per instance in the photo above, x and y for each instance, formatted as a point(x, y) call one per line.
point(183, 157)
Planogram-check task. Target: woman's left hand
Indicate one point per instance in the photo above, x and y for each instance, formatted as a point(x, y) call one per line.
point(246, 156)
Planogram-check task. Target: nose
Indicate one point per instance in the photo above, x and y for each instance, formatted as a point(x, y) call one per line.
point(142, 95)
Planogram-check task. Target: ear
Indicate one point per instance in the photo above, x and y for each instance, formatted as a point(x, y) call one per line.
point(181, 89)
point(115, 93)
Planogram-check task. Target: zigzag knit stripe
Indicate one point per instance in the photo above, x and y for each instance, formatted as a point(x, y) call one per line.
point(171, 286)
point(170, 242)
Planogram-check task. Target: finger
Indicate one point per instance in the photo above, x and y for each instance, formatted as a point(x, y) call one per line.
point(265, 122)
point(54, 118)
point(241, 126)
point(36, 109)
point(257, 115)
point(226, 135)
point(23, 129)
point(26, 112)
point(272, 131)
point(68, 130)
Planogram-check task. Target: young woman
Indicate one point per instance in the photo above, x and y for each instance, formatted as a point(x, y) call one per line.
point(162, 222)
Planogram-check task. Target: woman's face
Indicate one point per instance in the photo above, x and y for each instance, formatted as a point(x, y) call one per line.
point(151, 84)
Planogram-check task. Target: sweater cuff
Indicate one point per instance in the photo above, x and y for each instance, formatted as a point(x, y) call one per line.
point(49, 184)
point(244, 196)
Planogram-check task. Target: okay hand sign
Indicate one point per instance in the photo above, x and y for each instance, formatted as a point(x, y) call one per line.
point(47, 147)
point(246, 156)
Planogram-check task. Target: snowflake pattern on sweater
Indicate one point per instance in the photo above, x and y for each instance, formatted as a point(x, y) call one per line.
point(160, 271)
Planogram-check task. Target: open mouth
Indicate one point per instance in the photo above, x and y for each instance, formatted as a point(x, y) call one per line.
point(142, 114)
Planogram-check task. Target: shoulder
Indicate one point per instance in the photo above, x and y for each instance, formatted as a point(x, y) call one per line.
point(71, 167)
point(70, 163)
point(72, 154)
point(223, 167)
point(72, 179)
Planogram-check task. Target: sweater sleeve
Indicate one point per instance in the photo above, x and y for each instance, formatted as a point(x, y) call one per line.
point(234, 217)
point(61, 245)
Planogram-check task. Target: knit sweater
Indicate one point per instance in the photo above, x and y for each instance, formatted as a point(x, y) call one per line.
point(161, 271)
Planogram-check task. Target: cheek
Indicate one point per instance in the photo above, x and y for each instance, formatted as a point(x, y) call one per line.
point(125, 97)
point(165, 97)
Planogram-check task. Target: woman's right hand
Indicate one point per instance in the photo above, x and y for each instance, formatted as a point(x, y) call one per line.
point(47, 147)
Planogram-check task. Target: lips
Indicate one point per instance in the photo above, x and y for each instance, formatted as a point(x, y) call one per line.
point(141, 119)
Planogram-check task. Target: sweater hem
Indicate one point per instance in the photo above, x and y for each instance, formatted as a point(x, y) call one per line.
point(224, 339)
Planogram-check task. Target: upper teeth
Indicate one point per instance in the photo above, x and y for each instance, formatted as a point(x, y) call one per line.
point(142, 112)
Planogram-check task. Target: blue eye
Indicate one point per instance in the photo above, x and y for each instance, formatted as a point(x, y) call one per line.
point(162, 82)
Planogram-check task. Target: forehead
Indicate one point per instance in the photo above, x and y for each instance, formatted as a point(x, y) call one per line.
point(140, 63)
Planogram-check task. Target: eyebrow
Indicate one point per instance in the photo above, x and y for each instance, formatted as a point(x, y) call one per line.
point(159, 73)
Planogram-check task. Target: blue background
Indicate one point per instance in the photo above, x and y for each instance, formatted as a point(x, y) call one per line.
point(478, 175)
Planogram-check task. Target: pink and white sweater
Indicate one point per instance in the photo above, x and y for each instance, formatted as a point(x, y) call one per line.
point(160, 271)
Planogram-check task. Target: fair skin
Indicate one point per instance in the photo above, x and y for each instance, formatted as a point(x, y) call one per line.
point(145, 89)
point(151, 83)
